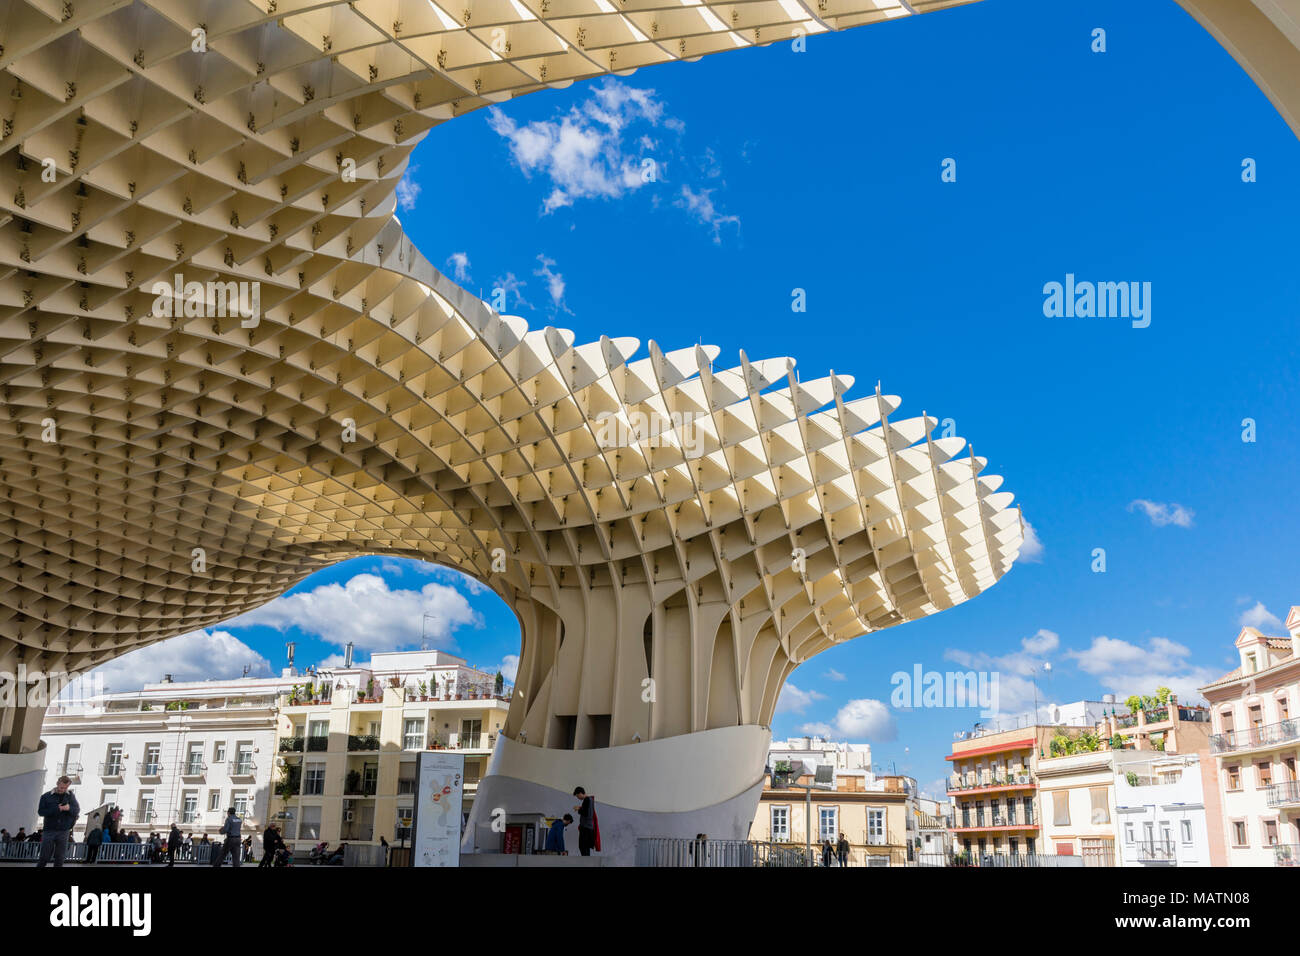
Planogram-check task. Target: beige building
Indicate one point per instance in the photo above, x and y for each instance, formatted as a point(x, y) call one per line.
point(346, 764)
point(1257, 744)
point(1077, 794)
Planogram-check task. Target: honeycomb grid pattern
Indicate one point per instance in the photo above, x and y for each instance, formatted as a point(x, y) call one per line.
point(476, 437)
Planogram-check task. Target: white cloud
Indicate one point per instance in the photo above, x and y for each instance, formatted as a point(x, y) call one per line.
point(408, 190)
point(817, 730)
point(796, 701)
point(1260, 618)
point(459, 262)
point(509, 667)
point(1126, 668)
point(1041, 642)
point(506, 287)
point(554, 283)
point(866, 719)
point(199, 655)
point(833, 674)
point(366, 612)
point(1162, 514)
point(701, 205)
point(1031, 549)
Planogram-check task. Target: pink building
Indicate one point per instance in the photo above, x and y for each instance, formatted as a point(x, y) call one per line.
point(1256, 741)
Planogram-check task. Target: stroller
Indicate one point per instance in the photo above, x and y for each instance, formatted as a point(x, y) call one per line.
point(283, 856)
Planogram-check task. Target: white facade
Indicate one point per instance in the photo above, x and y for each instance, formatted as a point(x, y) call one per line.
point(172, 752)
point(1160, 810)
point(818, 751)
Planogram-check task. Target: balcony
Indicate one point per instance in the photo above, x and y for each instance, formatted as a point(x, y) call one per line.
point(112, 768)
point(149, 769)
point(362, 742)
point(194, 768)
point(1286, 854)
point(1010, 781)
point(1256, 738)
point(70, 770)
point(1155, 851)
point(144, 817)
point(318, 743)
point(1286, 794)
point(241, 768)
point(291, 745)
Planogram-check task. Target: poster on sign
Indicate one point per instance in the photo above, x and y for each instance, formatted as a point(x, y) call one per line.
point(438, 796)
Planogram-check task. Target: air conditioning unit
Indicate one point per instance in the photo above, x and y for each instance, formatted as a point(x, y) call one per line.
point(347, 816)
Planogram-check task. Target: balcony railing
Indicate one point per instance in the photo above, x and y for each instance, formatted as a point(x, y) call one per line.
point(1286, 854)
point(67, 769)
point(194, 768)
point(241, 768)
point(1155, 851)
point(1265, 735)
point(958, 782)
point(291, 745)
point(112, 768)
point(1284, 794)
point(363, 742)
point(149, 768)
point(318, 743)
point(144, 816)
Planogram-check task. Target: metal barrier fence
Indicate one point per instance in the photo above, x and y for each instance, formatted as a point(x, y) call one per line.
point(683, 851)
point(30, 852)
point(1000, 860)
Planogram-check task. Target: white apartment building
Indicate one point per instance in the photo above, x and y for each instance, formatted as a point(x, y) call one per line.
point(818, 751)
point(171, 752)
point(1160, 809)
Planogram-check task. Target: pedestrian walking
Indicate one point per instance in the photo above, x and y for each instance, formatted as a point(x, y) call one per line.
point(231, 843)
point(843, 849)
point(59, 811)
point(827, 853)
point(174, 839)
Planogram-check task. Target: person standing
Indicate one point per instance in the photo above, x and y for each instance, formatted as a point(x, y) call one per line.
point(173, 844)
point(94, 837)
point(843, 849)
point(268, 846)
point(59, 810)
point(231, 844)
point(586, 821)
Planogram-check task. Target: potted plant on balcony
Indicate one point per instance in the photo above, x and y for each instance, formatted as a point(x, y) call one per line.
point(499, 684)
point(353, 784)
point(370, 690)
point(424, 690)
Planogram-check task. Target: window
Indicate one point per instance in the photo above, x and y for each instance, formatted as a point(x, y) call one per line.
point(113, 761)
point(1166, 836)
point(471, 732)
point(1270, 833)
point(1029, 845)
point(194, 760)
point(219, 752)
point(413, 733)
point(1128, 833)
point(780, 824)
point(1234, 778)
point(876, 826)
point(827, 819)
point(214, 800)
point(1061, 808)
point(1097, 851)
point(309, 823)
point(1265, 772)
point(240, 800)
point(1289, 764)
point(1226, 720)
point(1284, 708)
point(1239, 833)
point(1256, 715)
point(406, 778)
point(189, 806)
point(152, 760)
point(72, 760)
point(108, 798)
point(314, 779)
point(244, 760)
point(146, 806)
point(374, 728)
point(1100, 804)
point(1187, 831)
point(318, 735)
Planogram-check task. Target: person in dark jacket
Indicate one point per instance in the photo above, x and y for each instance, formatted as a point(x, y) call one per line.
point(586, 821)
point(173, 844)
point(94, 837)
point(555, 836)
point(231, 843)
point(59, 810)
point(842, 849)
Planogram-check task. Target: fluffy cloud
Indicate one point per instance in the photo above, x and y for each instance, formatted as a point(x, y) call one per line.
point(1031, 549)
point(796, 701)
point(408, 190)
point(866, 719)
point(366, 612)
point(459, 262)
point(554, 283)
point(817, 730)
point(1126, 668)
point(700, 205)
point(1260, 618)
point(1162, 514)
point(199, 655)
point(509, 667)
point(833, 674)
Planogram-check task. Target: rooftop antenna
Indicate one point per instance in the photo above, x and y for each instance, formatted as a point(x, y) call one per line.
point(347, 655)
point(424, 631)
point(291, 646)
point(247, 668)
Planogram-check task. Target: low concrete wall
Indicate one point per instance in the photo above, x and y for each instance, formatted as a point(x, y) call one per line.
point(22, 778)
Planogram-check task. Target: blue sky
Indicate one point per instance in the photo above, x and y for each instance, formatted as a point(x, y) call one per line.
point(820, 170)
